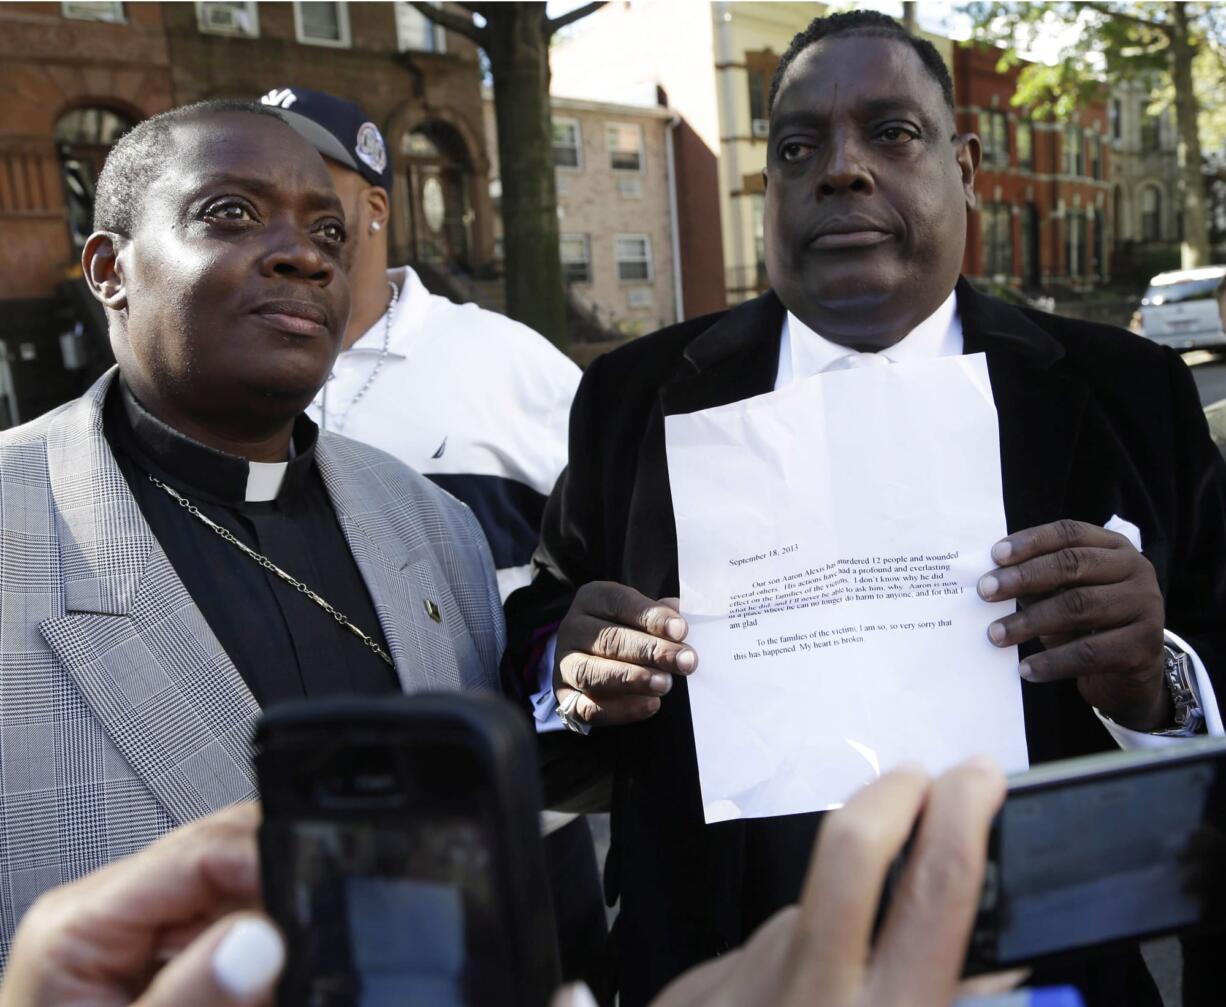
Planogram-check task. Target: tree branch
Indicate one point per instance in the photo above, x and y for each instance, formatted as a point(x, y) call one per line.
point(570, 17)
point(1102, 8)
point(452, 22)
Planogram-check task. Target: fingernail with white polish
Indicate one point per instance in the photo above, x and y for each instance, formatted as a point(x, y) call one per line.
point(988, 586)
point(1026, 671)
point(581, 996)
point(1002, 550)
point(685, 661)
point(249, 958)
point(675, 628)
point(996, 633)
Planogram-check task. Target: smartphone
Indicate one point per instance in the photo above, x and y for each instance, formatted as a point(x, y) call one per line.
point(401, 853)
point(1104, 849)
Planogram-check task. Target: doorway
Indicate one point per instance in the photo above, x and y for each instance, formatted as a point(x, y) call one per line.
point(439, 172)
point(83, 137)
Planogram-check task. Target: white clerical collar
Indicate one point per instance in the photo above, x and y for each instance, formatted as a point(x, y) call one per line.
point(264, 480)
point(803, 352)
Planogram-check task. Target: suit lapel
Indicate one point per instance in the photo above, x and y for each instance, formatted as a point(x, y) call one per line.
point(405, 588)
point(1039, 411)
point(132, 639)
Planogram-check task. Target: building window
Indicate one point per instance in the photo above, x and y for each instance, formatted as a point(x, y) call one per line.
point(416, 32)
point(759, 90)
point(1075, 242)
point(996, 225)
point(82, 10)
point(995, 129)
point(1025, 145)
point(633, 255)
point(759, 239)
point(576, 258)
point(1096, 157)
point(1115, 113)
point(1031, 268)
point(567, 144)
point(1151, 213)
point(1150, 131)
point(625, 147)
point(239, 19)
point(322, 23)
point(1074, 140)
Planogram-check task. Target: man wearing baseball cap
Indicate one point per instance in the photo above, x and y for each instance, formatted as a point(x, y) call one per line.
point(472, 400)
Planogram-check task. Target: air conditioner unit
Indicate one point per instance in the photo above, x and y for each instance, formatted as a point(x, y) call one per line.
point(227, 18)
point(761, 129)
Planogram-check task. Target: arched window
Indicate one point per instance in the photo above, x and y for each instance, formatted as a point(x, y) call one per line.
point(83, 137)
point(1151, 213)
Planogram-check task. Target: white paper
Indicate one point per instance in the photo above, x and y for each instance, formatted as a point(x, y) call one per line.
point(830, 536)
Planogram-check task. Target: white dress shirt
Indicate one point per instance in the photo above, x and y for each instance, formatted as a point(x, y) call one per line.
point(803, 353)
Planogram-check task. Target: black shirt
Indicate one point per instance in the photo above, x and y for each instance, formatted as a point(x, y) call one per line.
point(283, 644)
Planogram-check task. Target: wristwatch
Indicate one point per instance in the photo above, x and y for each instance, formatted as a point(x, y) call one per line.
point(1178, 675)
point(566, 714)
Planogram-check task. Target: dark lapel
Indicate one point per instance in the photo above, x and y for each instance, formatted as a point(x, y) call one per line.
point(735, 358)
point(1039, 409)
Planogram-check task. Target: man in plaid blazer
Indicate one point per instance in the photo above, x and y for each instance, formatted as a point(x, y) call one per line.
point(122, 715)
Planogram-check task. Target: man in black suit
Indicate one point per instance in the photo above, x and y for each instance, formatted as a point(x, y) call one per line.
point(868, 187)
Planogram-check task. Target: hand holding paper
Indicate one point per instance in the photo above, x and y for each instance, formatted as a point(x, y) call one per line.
point(1094, 601)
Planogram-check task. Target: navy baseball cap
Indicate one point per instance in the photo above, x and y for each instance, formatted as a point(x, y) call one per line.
point(337, 128)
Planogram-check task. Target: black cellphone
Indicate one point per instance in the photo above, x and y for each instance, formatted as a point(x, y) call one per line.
point(1101, 850)
point(401, 853)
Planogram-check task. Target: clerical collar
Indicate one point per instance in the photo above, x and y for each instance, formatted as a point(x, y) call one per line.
point(209, 474)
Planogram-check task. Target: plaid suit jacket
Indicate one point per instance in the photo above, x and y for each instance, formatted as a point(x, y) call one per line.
point(121, 716)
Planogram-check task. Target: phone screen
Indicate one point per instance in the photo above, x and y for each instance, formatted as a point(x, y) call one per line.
point(391, 906)
point(1121, 856)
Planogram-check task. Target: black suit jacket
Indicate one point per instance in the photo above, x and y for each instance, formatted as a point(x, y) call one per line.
point(1093, 422)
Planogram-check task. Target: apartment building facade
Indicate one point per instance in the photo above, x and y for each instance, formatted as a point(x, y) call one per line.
point(615, 175)
point(1043, 218)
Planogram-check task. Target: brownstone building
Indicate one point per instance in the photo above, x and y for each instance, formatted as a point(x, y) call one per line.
point(1043, 214)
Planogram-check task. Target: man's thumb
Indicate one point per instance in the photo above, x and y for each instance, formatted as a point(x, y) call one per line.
point(235, 963)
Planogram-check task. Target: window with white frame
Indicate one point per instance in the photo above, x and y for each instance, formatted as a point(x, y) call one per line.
point(239, 19)
point(625, 146)
point(322, 23)
point(633, 255)
point(84, 10)
point(576, 258)
point(416, 32)
point(567, 144)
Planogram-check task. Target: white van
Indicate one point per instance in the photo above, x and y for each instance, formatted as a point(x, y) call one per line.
point(1180, 308)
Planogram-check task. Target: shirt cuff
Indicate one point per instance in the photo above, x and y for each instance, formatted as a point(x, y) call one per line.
point(1201, 685)
point(544, 705)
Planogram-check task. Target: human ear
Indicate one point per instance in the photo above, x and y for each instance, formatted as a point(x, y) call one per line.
point(377, 207)
point(103, 270)
point(967, 152)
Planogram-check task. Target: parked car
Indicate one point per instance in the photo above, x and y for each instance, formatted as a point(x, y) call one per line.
point(1180, 308)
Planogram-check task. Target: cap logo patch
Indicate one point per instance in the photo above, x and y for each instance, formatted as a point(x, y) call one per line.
point(370, 148)
point(279, 98)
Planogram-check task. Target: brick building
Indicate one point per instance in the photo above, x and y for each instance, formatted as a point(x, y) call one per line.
point(76, 75)
point(616, 204)
point(1043, 216)
point(419, 84)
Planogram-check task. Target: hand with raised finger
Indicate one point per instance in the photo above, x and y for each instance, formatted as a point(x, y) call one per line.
point(821, 953)
point(1094, 603)
point(619, 650)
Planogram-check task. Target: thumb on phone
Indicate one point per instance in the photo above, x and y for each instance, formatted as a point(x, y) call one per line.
point(235, 963)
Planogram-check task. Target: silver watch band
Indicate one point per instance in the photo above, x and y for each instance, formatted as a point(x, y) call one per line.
point(1180, 682)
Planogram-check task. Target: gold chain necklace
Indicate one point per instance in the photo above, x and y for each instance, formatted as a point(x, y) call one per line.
point(271, 567)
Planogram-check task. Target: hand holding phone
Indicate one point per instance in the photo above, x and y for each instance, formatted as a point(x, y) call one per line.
point(401, 853)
